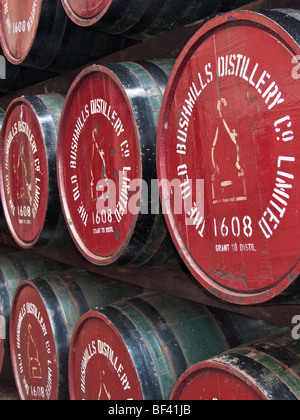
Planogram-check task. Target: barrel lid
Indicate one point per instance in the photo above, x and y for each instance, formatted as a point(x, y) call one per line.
point(98, 157)
point(32, 342)
point(214, 381)
point(24, 169)
point(228, 130)
point(86, 12)
point(100, 364)
point(18, 27)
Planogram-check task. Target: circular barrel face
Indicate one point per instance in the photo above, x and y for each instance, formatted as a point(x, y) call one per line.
point(24, 170)
point(98, 158)
point(100, 365)
point(33, 348)
point(212, 382)
point(228, 135)
point(83, 12)
point(19, 26)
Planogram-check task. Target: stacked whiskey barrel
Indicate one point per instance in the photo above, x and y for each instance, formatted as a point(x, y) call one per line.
point(230, 118)
point(186, 165)
point(106, 164)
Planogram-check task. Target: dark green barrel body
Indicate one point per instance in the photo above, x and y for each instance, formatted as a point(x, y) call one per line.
point(140, 19)
point(161, 337)
point(14, 269)
point(60, 299)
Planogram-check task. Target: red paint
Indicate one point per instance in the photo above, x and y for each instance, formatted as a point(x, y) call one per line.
point(209, 382)
point(98, 143)
point(33, 348)
point(100, 366)
point(231, 128)
point(24, 180)
point(87, 9)
point(18, 27)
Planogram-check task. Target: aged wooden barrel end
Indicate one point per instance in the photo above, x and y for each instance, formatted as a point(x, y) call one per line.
point(44, 313)
point(232, 94)
point(19, 27)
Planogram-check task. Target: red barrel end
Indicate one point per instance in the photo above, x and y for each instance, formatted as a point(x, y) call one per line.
point(98, 155)
point(86, 12)
point(228, 132)
point(18, 27)
point(97, 346)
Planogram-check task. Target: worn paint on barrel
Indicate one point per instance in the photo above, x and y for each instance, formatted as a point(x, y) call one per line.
point(262, 371)
point(19, 27)
point(230, 118)
point(28, 170)
point(138, 348)
point(44, 313)
point(15, 268)
point(106, 161)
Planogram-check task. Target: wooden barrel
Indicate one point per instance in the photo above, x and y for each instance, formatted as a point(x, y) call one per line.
point(138, 348)
point(44, 313)
point(39, 35)
point(262, 371)
point(107, 164)
point(28, 172)
point(15, 268)
point(228, 5)
point(228, 130)
point(140, 19)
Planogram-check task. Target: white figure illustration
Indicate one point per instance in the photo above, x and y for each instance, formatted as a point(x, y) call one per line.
point(228, 185)
point(97, 150)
